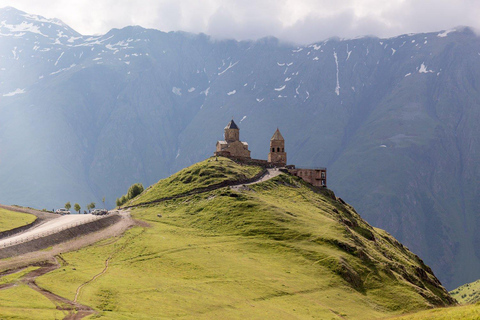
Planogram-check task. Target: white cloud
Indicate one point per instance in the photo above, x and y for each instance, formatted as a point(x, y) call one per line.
point(291, 20)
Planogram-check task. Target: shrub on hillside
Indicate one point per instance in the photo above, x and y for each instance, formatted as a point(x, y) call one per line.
point(133, 191)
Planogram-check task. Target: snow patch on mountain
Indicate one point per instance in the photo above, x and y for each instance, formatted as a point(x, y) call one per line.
point(13, 93)
point(64, 69)
point(22, 27)
point(337, 88)
point(230, 66)
point(445, 33)
point(423, 69)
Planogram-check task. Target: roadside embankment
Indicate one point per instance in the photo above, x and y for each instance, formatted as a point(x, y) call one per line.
point(59, 237)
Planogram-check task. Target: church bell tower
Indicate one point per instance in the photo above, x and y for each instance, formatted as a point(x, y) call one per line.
point(277, 154)
point(232, 132)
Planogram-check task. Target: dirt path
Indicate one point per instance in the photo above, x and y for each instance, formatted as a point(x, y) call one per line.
point(271, 173)
point(70, 309)
point(107, 261)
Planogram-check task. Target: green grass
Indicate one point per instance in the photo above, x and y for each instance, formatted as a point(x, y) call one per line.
point(22, 303)
point(278, 250)
point(14, 277)
point(11, 219)
point(468, 312)
point(199, 175)
point(468, 293)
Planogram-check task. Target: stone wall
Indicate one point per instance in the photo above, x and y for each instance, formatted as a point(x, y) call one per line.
point(316, 177)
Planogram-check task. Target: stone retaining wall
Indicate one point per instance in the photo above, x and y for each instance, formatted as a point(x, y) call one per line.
point(56, 238)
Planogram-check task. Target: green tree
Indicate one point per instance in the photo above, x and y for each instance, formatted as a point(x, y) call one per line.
point(103, 200)
point(92, 205)
point(77, 207)
point(134, 190)
point(68, 205)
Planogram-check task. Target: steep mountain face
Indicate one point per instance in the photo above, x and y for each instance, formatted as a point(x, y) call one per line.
point(395, 120)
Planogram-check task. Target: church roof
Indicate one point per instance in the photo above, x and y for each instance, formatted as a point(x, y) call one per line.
point(232, 125)
point(277, 135)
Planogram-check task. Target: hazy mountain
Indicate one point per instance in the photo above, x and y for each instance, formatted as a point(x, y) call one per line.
point(396, 121)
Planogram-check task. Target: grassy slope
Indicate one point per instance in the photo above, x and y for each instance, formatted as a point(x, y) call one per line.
point(22, 302)
point(199, 175)
point(14, 277)
point(10, 219)
point(277, 250)
point(468, 312)
point(468, 293)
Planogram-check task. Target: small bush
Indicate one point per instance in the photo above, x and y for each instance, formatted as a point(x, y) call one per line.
point(133, 191)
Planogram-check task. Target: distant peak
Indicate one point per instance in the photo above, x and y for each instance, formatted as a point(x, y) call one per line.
point(11, 10)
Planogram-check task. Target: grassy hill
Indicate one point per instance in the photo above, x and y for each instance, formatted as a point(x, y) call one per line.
point(468, 293)
point(280, 249)
point(203, 174)
point(468, 312)
point(11, 219)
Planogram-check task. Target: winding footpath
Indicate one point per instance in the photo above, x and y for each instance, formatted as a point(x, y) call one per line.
point(271, 173)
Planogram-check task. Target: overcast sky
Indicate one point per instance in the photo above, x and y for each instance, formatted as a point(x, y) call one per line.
point(300, 21)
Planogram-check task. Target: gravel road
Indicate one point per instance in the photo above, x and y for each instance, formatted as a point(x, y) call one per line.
point(51, 226)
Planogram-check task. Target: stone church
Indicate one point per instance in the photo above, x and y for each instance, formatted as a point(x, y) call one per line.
point(232, 147)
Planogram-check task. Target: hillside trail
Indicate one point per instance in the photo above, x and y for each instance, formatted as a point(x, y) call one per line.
point(107, 264)
point(271, 173)
point(72, 310)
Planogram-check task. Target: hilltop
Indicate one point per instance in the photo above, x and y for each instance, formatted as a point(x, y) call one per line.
point(278, 249)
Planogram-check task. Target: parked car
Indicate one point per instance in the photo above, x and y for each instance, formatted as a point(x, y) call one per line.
point(62, 211)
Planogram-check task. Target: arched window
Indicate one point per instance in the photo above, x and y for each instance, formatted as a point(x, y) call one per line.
point(283, 149)
point(273, 149)
point(278, 149)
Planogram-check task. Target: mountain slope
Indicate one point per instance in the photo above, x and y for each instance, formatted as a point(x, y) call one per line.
point(394, 120)
point(468, 293)
point(277, 249)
